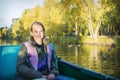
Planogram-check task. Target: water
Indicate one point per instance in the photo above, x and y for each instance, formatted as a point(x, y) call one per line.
point(103, 59)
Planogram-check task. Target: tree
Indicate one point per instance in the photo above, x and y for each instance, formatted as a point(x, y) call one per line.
point(53, 17)
point(112, 17)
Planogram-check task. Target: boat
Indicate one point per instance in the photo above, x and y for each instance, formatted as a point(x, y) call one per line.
point(8, 57)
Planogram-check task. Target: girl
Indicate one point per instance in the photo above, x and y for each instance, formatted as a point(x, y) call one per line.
point(33, 59)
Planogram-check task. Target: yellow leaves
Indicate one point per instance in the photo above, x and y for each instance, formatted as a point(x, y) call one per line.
point(50, 15)
point(55, 16)
point(15, 28)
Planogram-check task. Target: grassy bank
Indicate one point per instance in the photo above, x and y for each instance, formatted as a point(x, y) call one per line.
point(101, 40)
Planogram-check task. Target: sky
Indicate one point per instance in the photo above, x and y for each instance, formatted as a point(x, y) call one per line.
point(10, 9)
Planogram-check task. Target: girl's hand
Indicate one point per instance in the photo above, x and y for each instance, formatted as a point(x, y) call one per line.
point(44, 76)
point(51, 77)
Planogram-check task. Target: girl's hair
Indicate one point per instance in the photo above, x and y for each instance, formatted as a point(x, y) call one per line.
point(37, 23)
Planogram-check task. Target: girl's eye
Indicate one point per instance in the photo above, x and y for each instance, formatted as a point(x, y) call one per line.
point(35, 31)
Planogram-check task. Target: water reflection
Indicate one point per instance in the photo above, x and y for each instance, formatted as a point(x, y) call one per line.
point(9, 42)
point(94, 62)
point(76, 55)
point(97, 58)
point(3, 42)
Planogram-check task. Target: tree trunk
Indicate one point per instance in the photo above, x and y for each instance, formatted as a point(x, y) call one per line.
point(97, 28)
point(90, 26)
point(76, 29)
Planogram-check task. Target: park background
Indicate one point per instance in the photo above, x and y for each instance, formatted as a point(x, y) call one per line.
point(85, 32)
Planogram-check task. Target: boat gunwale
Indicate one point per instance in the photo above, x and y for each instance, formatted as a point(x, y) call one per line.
point(85, 71)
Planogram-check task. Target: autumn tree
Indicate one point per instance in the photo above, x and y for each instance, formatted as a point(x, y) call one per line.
point(112, 17)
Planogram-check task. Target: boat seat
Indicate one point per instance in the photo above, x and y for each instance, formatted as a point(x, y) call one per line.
point(8, 58)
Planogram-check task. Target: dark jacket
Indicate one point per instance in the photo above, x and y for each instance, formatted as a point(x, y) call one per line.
point(24, 67)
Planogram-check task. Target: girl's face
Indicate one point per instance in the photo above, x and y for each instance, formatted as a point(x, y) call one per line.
point(37, 32)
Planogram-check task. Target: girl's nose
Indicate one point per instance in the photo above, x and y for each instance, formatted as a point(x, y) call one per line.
point(38, 33)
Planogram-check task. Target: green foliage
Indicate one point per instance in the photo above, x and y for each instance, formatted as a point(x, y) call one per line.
point(3, 32)
point(111, 18)
point(65, 40)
